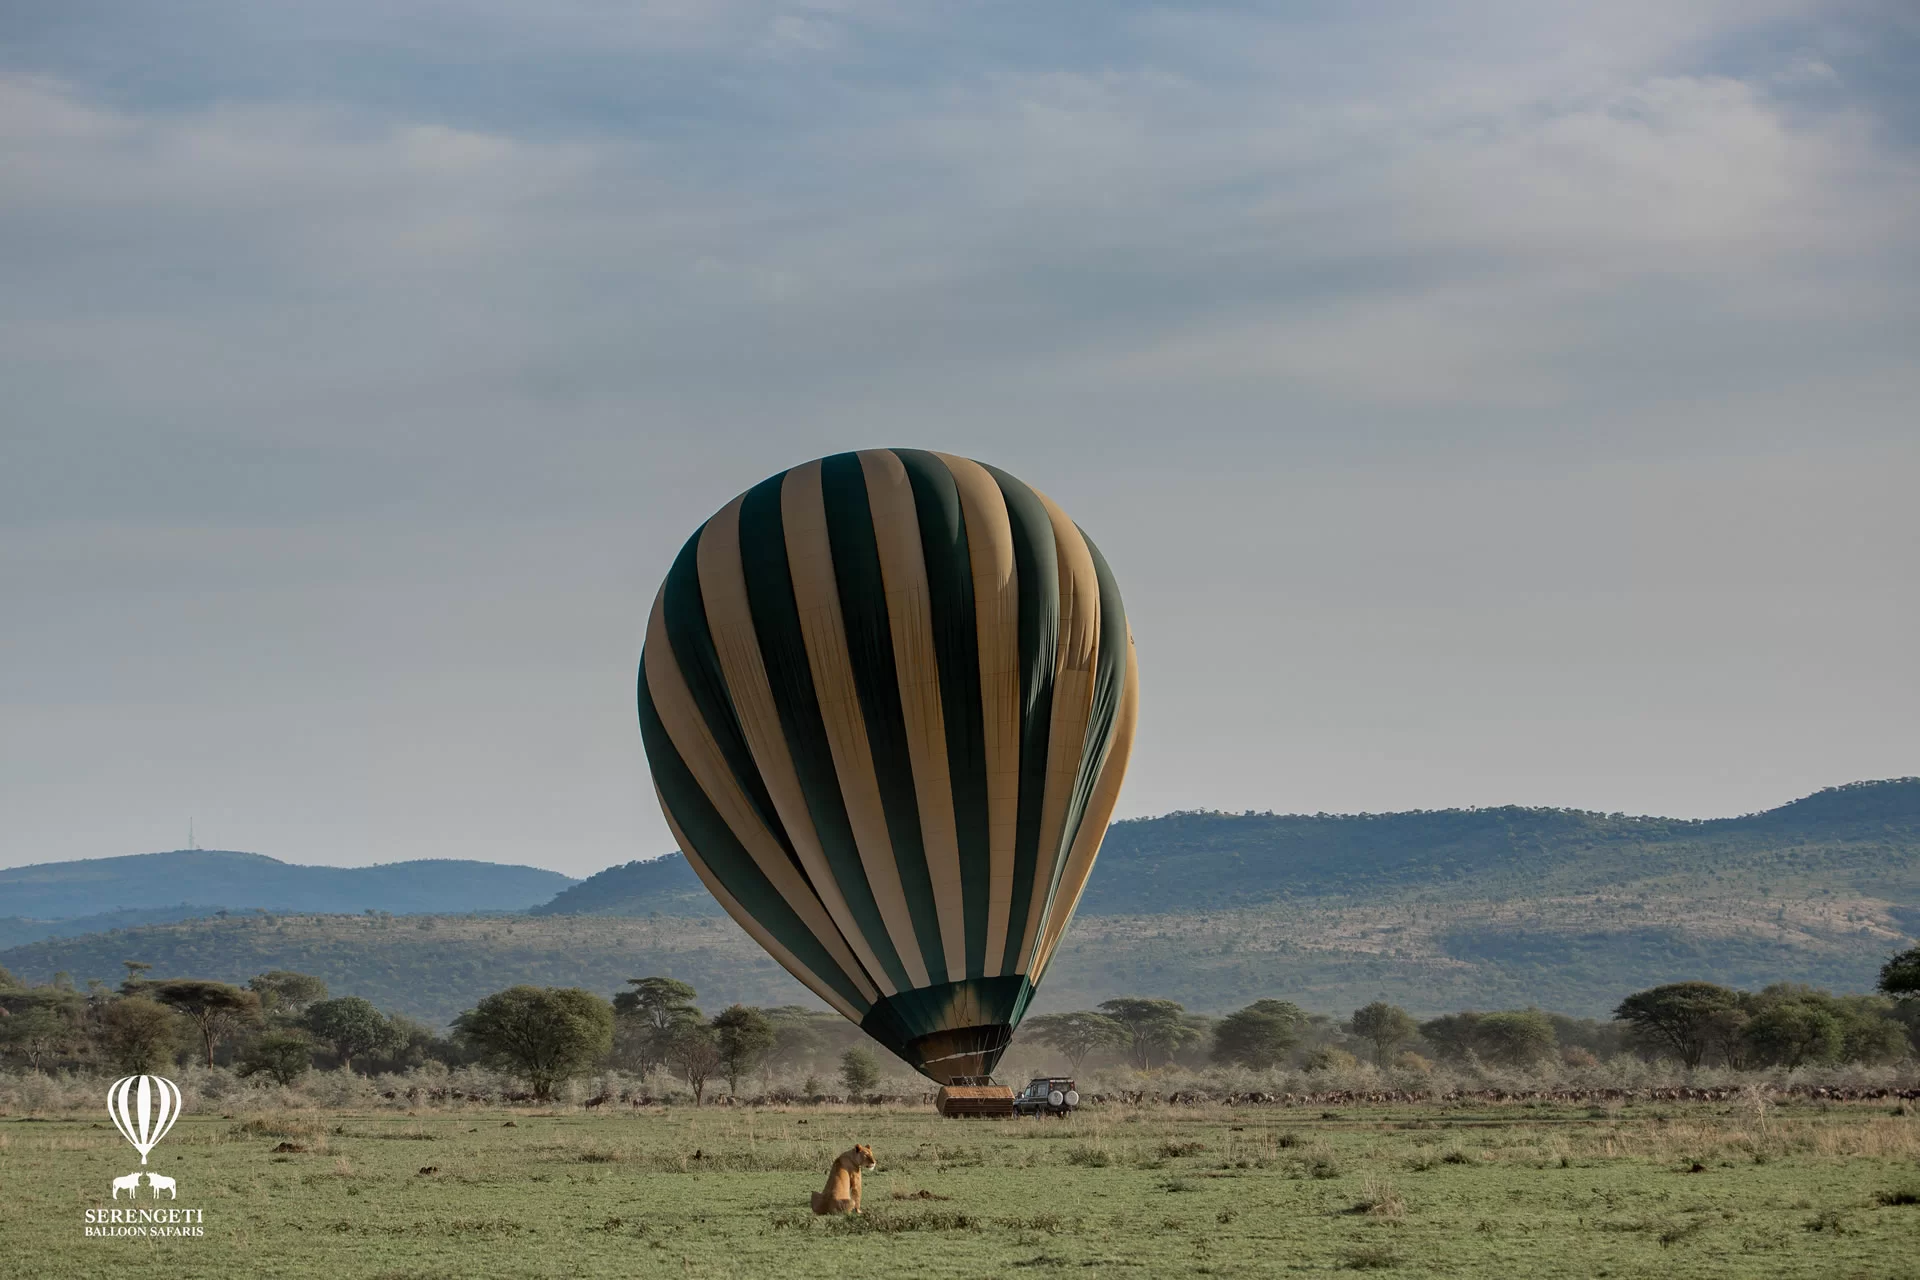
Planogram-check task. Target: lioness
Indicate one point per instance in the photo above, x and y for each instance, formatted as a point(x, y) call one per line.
point(843, 1182)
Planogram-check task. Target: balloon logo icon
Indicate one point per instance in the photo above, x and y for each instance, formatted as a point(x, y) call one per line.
point(143, 1108)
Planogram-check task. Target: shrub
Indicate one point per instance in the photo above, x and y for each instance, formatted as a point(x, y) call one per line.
point(858, 1071)
point(281, 1054)
point(548, 1034)
point(1327, 1058)
point(139, 1034)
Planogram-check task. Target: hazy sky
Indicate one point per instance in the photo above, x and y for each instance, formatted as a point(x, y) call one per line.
point(1505, 402)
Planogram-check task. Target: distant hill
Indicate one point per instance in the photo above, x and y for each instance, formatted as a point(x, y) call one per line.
point(1481, 908)
point(1860, 838)
point(1864, 837)
point(666, 886)
point(51, 891)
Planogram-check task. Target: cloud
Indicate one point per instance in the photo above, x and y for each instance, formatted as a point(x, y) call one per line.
point(394, 347)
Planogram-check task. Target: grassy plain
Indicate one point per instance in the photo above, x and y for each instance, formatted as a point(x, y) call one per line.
point(1812, 1190)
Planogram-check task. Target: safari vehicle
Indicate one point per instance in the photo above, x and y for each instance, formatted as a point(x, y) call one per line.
point(1047, 1095)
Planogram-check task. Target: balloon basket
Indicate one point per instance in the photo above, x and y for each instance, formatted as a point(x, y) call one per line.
point(985, 1101)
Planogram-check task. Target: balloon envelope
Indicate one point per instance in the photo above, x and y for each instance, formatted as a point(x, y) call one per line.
point(887, 699)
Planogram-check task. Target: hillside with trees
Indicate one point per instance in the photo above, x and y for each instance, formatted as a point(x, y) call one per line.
point(659, 886)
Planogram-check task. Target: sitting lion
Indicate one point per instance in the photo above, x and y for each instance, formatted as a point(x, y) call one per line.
point(843, 1182)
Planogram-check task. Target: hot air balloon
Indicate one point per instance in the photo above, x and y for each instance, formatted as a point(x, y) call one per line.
point(143, 1109)
point(887, 699)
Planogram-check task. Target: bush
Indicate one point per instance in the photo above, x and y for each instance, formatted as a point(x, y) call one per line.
point(859, 1073)
point(547, 1034)
point(1328, 1058)
point(139, 1034)
point(284, 1055)
point(1259, 1036)
point(351, 1026)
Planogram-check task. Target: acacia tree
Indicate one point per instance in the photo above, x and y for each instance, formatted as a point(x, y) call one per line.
point(1259, 1036)
point(1077, 1034)
point(859, 1073)
point(693, 1055)
point(138, 1033)
point(284, 992)
point(1155, 1030)
point(1900, 976)
point(284, 1055)
point(1385, 1026)
point(1791, 1032)
point(1680, 1017)
point(1453, 1035)
point(650, 1016)
point(1516, 1037)
point(547, 1034)
point(216, 1008)
point(33, 1032)
point(742, 1036)
point(350, 1026)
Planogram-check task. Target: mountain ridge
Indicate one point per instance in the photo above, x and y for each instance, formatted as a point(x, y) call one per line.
point(1867, 838)
point(236, 880)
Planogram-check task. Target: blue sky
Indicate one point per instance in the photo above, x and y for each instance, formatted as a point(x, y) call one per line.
point(1478, 403)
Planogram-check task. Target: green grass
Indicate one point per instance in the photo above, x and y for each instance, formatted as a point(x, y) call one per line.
point(1433, 1191)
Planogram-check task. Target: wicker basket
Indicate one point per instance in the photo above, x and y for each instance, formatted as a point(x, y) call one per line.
point(986, 1101)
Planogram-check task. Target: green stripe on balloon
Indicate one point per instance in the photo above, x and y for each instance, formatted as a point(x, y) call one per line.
point(1109, 682)
point(691, 640)
point(726, 858)
point(869, 631)
point(1036, 562)
point(956, 646)
point(783, 650)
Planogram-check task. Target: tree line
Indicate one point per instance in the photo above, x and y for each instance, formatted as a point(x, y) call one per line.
point(1784, 1025)
point(277, 1025)
point(280, 1024)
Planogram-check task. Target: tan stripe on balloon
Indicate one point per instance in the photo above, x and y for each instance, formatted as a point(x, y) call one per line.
point(723, 586)
point(1098, 813)
point(694, 741)
point(903, 567)
point(755, 930)
point(996, 605)
point(803, 512)
point(1076, 655)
